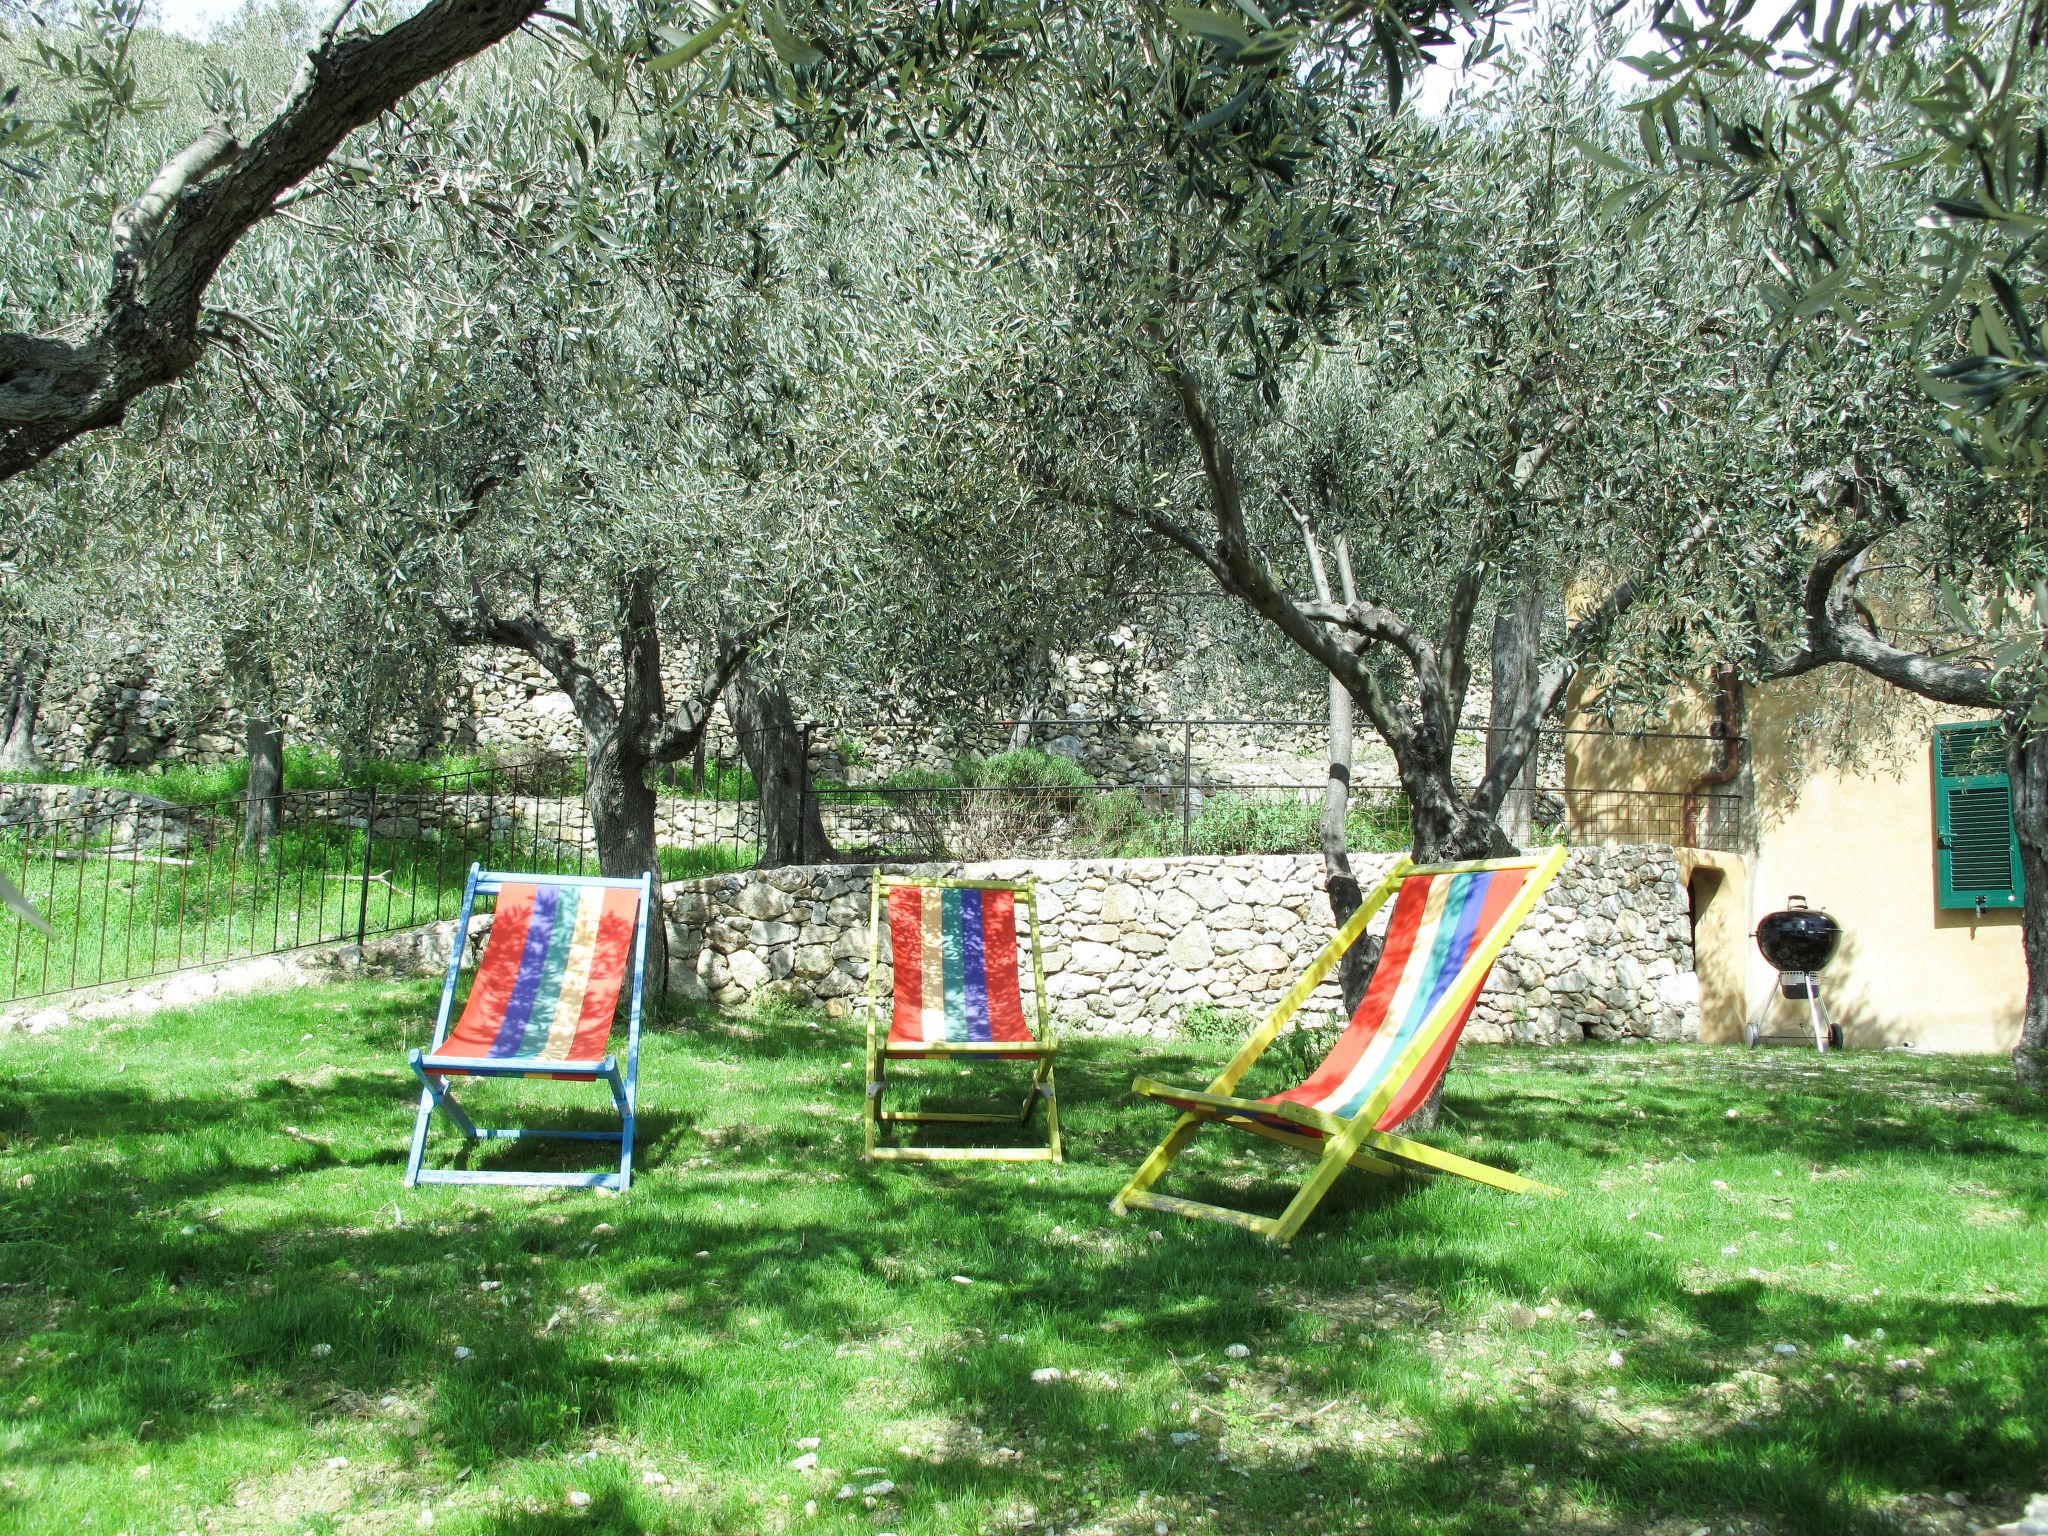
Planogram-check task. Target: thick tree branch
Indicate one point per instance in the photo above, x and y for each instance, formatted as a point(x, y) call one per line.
point(678, 733)
point(596, 711)
point(1837, 630)
point(170, 242)
point(1245, 578)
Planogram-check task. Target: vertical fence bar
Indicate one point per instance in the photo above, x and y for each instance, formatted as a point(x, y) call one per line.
point(1187, 786)
point(363, 897)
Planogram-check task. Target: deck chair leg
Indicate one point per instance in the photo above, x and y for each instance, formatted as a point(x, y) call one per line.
point(442, 1097)
point(1336, 1158)
point(419, 1139)
point(1042, 1087)
point(1436, 1160)
point(1149, 1172)
point(871, 1107)
point(623, 1102)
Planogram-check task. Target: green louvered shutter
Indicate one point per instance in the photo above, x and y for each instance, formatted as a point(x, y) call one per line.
point(1978, 852)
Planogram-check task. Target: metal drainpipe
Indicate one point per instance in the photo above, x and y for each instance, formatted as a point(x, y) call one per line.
point(1729, 744)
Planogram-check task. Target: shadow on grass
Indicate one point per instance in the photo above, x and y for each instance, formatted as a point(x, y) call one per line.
point(328, 1290)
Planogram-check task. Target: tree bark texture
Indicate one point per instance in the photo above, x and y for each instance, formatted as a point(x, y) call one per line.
point(1517, 661)
point(168, 244)
point(18, 753)
point(777, 751)
point(263, 742)
point(2029, 768)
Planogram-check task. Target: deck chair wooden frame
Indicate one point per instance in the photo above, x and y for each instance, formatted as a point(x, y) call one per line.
point(1340, 1143)
point(434, 1070)
point(1042, 1049)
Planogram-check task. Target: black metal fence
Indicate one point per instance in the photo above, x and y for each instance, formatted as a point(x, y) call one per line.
point(135, 887)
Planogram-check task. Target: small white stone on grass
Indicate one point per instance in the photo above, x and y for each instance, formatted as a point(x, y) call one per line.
point(1239, 1352)
point(1614, 1359)
point(652, 1479)
point(463, 1351)
point(426, 1516)
point(336, 1463)
point(1045, 1375)
point(1849, 1341)
point(1784, 1349)
point(1730, 1251)
point(1183, 1437)
point(321, 1351)
point(810, 1506)
point(805, 1462)
point(602, 1229)
point(846, 1492)
point(809, 1443)
point(879, 1490)
point(962, 1280)
point(578, 1499)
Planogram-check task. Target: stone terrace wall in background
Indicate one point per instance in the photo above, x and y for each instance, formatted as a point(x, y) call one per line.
point(1131, 944)
point(67, 812)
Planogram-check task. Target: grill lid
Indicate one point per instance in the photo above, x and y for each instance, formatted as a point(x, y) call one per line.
point(1800, 938)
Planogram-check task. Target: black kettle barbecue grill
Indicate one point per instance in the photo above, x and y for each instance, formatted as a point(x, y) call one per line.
point(1798, 942)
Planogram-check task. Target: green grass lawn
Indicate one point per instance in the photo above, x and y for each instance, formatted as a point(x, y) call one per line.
point(222, 1313)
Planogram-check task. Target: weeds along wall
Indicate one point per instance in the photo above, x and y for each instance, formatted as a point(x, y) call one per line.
point(1145, 946)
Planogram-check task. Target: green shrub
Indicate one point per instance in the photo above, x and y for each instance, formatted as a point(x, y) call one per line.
point(1230, 824)
point(703, 860)
point(1024, 768)
point(1206, 1024)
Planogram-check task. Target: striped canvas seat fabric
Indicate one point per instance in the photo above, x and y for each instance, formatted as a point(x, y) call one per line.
point(1440, 922)
point(549, 980)
point(955, 957)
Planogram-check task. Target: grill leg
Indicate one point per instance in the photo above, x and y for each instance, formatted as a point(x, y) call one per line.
point(1817, 1014)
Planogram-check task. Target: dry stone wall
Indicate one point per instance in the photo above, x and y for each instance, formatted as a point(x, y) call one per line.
point(1131, 945)
point(83, 812)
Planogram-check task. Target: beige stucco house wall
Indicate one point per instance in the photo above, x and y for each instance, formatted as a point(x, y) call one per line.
point(1843, 815)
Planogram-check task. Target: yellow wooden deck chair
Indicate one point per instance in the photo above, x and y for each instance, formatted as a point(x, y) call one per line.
point(957, 996)
point(1450, 922)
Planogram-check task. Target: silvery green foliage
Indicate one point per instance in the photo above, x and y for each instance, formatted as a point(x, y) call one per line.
point(1409, 336)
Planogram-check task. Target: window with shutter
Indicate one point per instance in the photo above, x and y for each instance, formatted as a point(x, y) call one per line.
point(1977, 850)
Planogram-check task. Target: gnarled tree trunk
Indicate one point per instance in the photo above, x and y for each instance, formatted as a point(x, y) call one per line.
point(261, 798)
point(1517, 664)
point(777, 750)
point(2029, 768)
point(24, 704)
point(621, 807)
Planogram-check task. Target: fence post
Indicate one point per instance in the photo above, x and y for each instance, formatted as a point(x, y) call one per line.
point(803, 799)
point(1187, 785)
point(363, 897)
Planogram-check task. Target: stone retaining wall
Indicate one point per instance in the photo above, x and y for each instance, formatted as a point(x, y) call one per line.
point(90, 813)
point(1130, 945)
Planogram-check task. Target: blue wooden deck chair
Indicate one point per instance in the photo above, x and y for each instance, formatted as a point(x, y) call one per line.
point(541, 1005)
